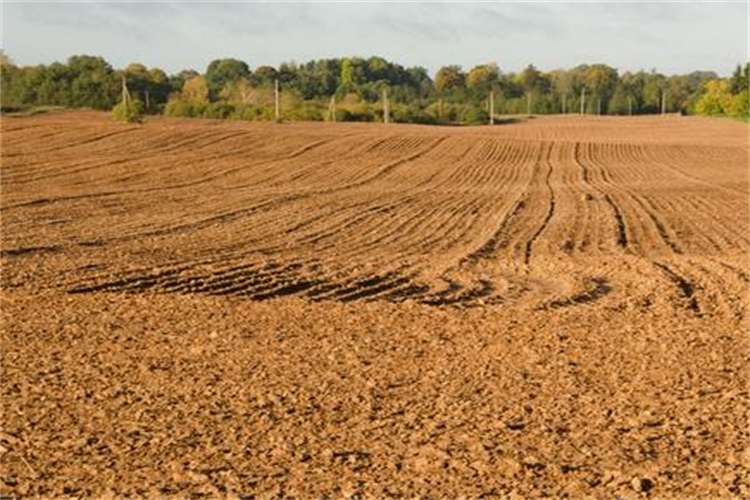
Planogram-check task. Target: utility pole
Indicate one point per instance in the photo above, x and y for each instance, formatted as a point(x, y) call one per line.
point(583, 100)
point(492, 107)
point(386, 110)
point(663, 102)
point(528, 103)
point(630, 106)
point(332, 109)
point(277, 104)
point(125, 92)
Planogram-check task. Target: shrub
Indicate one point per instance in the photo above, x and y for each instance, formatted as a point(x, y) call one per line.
point(715, 100)
point(739, 105)
point(440, 112)
point(353, 109)
point(307, 111)
point(403, 113)
point(473, 115)
point(184, 108)
point(354, 115)
point(246, 112)
point(128, 112)
point(219, 110)
point(12, 108)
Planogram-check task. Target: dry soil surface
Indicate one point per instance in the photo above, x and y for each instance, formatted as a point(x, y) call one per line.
point(556, 308)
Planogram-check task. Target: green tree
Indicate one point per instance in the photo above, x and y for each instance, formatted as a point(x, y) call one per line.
point(159, 87)
point(419, 81)
point(223, 71)
point(352, 74)
point(653, 88)
point(716, 99)
point(92, 83)
point(151, 86)
point(138, 80)
point(530, 78)
point(740, 79)
point(177, 81)
point(378, 69)
point(10, 76)
point(563, 85)
point(739, 106)
point(601, 80)
point(265, 75)
point(536, 86)
point(449, 78)
point(195, 90)
point(632, 88)
point(481, 79)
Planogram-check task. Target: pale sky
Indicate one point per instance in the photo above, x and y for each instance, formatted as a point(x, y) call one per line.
point(673, 37)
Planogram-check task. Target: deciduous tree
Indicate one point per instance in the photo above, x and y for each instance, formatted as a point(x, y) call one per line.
point(222, 71)
point(450, 78)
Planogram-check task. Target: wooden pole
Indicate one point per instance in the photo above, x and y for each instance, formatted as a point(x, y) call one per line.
point(583, 100)
point(630, 106)
point(276, 101)
point(148, 102)
point(599, 107)
point(386, 111)
point(663, 102)
point(332, 109)
point(564, 103)
point(492, 108)
point(125, 92)
point(528, 103)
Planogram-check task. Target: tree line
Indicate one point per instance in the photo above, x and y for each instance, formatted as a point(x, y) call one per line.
point(353, 89)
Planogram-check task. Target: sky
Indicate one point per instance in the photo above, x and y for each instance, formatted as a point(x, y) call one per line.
point(671, 37)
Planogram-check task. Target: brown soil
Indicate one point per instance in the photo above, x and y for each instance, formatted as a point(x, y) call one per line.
point(556, 308)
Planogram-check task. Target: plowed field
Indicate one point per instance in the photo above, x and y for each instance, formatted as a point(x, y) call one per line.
point(551, 308)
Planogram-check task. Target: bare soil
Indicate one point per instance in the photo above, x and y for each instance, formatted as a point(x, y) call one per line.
point(554, 308)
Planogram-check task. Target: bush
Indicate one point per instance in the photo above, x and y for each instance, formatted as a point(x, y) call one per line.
point(473, 115)
point(409, 114)
point(184, 108)
point(307, 111)
point(441, 112)
point(131, 112)
point(739, 105)
point(246, 112)
point(218, 110)
point(715, 99)
point(12, 108)
point(353, 109)
point(354, 115)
